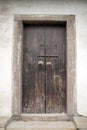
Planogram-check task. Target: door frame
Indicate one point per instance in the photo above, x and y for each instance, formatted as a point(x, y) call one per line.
point(17, 57)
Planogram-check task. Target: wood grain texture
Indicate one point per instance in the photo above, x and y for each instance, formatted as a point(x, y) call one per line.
point(56, 70)
point(33, 71)
point(44, 78)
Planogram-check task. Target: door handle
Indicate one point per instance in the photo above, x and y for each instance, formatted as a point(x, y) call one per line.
point(40, 62)
point(49, 63)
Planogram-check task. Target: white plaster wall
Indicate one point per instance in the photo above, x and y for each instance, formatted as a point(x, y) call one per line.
point(10, 7)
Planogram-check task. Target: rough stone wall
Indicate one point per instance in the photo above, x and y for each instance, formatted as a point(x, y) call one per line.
point(7, 10)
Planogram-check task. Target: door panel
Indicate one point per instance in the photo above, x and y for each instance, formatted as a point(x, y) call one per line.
point(33, 72)
point(44, 69)
point(56, 66)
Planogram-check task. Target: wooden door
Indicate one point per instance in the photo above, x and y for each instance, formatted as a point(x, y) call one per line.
point(44, 69)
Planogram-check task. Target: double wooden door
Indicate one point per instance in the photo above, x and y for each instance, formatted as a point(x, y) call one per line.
point(44, 69)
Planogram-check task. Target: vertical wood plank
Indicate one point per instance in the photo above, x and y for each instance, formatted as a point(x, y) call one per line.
point(33, 70)
point(56, 70)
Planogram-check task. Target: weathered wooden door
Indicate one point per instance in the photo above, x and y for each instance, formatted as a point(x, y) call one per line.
point(44, 69)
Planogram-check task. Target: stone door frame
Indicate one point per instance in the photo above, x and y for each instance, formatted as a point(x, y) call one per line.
point(18, 56)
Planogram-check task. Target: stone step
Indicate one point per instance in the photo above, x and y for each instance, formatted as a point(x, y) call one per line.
point(4, 121)
point(41, 125)
point(80, 122)
point(45, 117)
